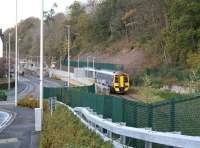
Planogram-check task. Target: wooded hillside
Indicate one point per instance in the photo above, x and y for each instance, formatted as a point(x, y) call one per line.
point(168, 29)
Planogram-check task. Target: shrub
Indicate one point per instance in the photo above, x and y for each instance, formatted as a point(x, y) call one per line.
point(156, 83)
point(137, 80)
point(4, 84)
point(3, 96)
point(147, 80)
point(55, 77)
point(63, 129)
point(131, 80)
point(145, 38)
point(168, 94)
point(30, 102)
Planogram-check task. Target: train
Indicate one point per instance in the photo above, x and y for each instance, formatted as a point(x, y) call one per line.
point(117, 81)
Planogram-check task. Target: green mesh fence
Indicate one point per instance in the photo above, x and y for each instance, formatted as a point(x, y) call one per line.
point(109, 66)
point(178, 114)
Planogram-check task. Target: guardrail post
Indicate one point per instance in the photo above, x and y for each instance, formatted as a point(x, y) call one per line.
point(123, 139)
point(179, 133)
point(148, 144)
point(172, 115)
point(94, 125)
point(100, 128)
point(109, 134)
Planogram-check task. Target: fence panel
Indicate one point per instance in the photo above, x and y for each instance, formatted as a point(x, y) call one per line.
point(161, 118)
point(130, 113)
point(187, 117)
point(142, 116)
point(108, 107)
point(52, 92)
point(181, 114)
point(99, 104)
point(117, 110)
point(109, 66)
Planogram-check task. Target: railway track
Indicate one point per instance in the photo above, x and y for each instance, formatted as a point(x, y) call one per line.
point(125, 96)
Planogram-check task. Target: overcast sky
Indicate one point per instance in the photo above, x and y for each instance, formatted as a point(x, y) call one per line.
point(27, 8)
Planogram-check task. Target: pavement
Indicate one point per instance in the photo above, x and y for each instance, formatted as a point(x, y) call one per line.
point(74, 80)
point(20, 133)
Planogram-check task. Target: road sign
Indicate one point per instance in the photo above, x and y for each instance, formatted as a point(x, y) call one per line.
point(65, 84)
point(52, 104)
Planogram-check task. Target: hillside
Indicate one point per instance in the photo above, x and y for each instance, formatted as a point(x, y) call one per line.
point(136, 33)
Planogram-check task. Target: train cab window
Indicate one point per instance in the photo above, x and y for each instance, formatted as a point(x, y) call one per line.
point(116, 79)
point(125, 78)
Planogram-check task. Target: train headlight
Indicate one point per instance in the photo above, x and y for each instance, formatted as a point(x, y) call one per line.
point(117, 89)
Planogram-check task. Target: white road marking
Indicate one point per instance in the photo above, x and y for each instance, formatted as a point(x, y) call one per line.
point(9, 140)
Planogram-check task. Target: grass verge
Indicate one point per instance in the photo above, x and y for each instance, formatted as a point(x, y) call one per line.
point(3, 95)
point(64, 130)
point(31, 102)
point(151, 95)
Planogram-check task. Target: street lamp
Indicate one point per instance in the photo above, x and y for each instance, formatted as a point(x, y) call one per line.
point(16, 54)
point(39, 111)
point(94, 67)
point(88, 63)
point(9, 63)
point(68, 52)
point(41, 55)
point(6, 51)
point(18, 60)
point(60, 62)
point(78, 65)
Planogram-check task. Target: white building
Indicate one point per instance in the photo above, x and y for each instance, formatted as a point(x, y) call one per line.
point(1, 48)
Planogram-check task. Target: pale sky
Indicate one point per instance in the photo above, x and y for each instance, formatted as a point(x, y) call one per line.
point(27, 8)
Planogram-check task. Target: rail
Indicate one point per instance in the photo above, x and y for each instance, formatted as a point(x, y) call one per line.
point(91, 119)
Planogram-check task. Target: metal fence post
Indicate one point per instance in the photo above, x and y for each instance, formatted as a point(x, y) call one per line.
point(150, 116)
point(172, 115)
point(109, 134)
point(135, 115)
point(61, 95)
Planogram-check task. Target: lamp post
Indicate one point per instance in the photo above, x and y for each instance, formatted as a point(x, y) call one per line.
point(39, 111)
point(18, 60)
point(6, 51)
point(94, 67)
point(60, 62)
point(88, 64)
point(87, 67)
point(41, 55)
point(78, 65)
point(16, 54)
point(68, 55)
point(9, 63)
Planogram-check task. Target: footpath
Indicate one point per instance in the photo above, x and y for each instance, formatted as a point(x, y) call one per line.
point(20, 132)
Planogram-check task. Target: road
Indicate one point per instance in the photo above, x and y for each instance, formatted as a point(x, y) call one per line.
point(29, 85)
point(20, 133)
